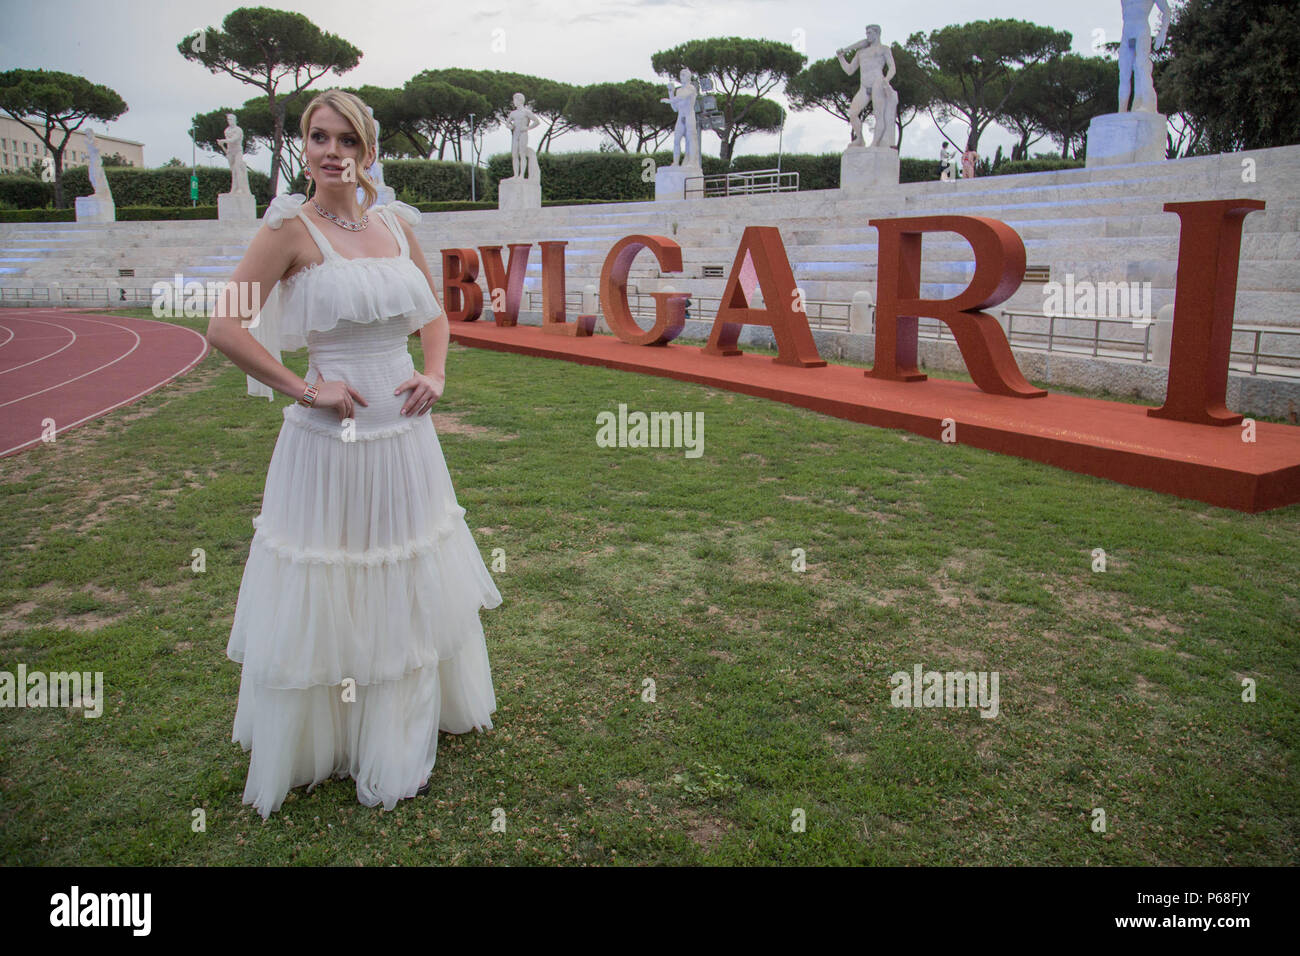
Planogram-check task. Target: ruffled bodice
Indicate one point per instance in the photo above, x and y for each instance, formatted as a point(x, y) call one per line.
point(338, 289)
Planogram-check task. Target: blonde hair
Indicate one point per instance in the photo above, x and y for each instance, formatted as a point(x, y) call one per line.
point(352, 109)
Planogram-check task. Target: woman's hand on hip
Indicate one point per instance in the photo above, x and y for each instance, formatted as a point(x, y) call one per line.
point(337, 395)
point(424, 389)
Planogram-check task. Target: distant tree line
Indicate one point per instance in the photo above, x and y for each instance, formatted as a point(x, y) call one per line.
point(1229, 79)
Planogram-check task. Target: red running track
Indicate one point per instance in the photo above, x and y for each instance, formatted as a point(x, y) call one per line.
point(74, 366)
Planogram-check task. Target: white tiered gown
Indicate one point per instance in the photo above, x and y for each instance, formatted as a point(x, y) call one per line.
point(357, 618)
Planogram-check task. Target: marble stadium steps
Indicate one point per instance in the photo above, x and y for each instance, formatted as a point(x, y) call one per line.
point(1091, 223)
point(798, 214)
point(832, 260)
point(95, 255)
point(843, 256)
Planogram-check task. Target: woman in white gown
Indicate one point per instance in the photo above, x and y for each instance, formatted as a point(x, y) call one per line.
point(357, 618)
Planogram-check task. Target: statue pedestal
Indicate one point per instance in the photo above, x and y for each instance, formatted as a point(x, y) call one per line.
point(236, 207)
point(867, 168)
point(1119, 138)
point(861, 312)
point(90, 209)
point(519, 194)
point(1162, 336)
point(679, 182)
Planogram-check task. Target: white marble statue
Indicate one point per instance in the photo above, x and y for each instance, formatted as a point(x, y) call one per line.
point(383, 194)
point(95, 168)
point(682, 99)
point(98, 206)
point(522, 159)
point(1135, 134)
point(1135, 54)
point(233, 144)
point(874, 63)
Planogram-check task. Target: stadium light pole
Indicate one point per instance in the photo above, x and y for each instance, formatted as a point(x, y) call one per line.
point(780, 140)
point(194, 164)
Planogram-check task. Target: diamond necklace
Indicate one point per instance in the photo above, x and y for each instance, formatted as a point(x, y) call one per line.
point(346, 224)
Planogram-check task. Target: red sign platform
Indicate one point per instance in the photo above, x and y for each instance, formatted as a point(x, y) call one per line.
point(1192, 446)
point(1106, 439)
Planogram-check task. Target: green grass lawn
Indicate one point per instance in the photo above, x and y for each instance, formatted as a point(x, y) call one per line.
point(1119, 690)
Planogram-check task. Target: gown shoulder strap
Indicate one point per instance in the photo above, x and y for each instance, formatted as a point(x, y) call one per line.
point(326, 250)
point(396, 210)
point(285, 207)
point(390, 220)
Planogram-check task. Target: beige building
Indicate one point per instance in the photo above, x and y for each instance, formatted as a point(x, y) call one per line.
point(20, 148)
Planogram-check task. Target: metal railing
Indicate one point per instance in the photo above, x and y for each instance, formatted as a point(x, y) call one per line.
point(822, 315)
point(830, 316)
point(118, 295)
point(1048, 341)
point(74, 296)
point(744, 183)
point(834, 317)
point(1241, 359)
point(572, 302)
point(1257, 332)
point(25, 296)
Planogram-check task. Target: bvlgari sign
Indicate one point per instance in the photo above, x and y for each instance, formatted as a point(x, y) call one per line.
point(1188, 446)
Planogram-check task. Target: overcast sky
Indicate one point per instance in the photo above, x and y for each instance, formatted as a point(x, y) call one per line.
point(131, 47)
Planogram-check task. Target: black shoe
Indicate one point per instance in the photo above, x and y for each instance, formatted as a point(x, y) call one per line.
point(424, 789)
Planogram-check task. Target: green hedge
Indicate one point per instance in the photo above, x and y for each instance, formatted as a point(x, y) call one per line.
point(438, 186)
point(815, 171)
point(1010, 167)
point(456, 206)
point(20, 191)
point(151, 213)
point(603, 177)
point(165, 187)
point(424, 181)
point(37, 215)
point(919, 170)
point(123, 213)
point(567, 178)
point(822, 171)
